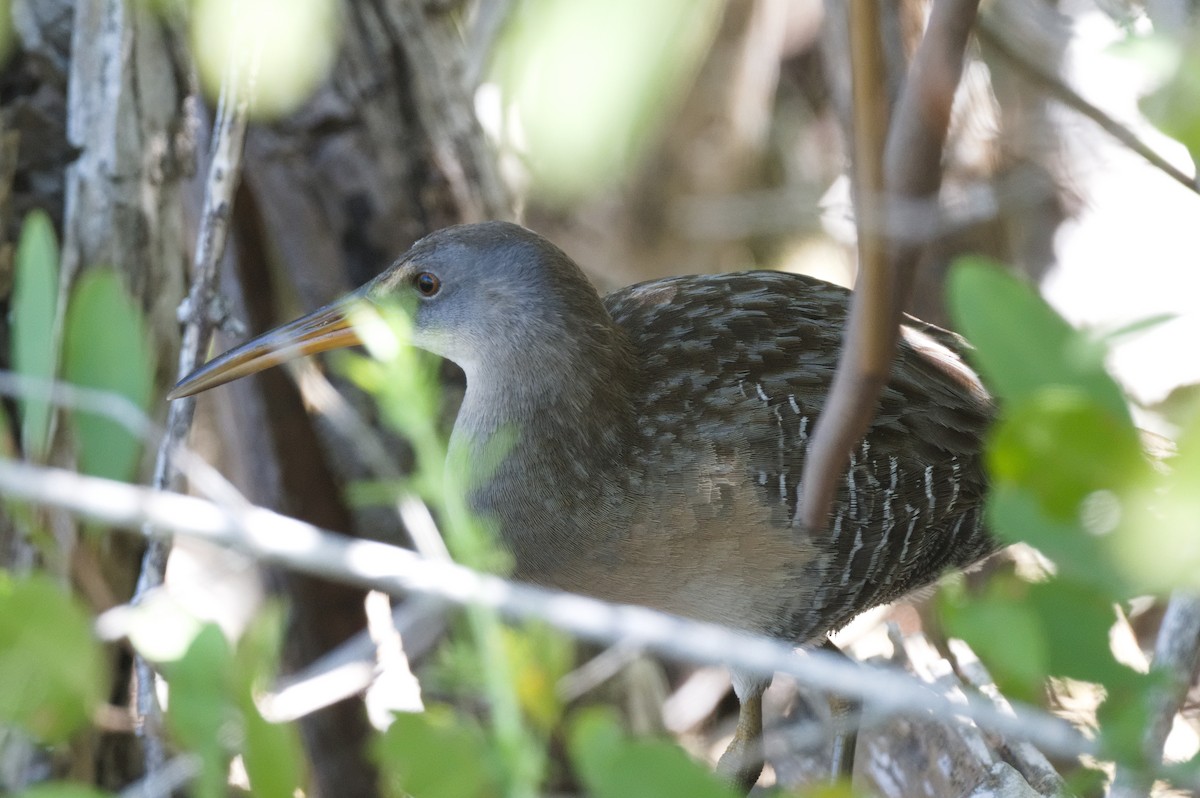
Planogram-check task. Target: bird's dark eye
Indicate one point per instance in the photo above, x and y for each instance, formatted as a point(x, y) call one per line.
point(427, 284)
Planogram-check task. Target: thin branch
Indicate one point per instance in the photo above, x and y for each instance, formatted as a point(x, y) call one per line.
point(990, 33)
point(1176, 656)
point(224, 171)
point(284, 541)
point(911, 172)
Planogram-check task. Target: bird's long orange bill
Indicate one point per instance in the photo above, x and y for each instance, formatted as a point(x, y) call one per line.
point(320, 331)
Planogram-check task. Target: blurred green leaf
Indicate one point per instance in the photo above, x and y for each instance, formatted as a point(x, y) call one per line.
point(1027, 631)
point(32, 315)
point(1076, 621)
point(613, 766)
point(436, 754)
point(1157, 547)
point(51, 668)
point(1175, 106)
point(1062, 446)
point(1110, 336)
point(1085, 781)
point(1004, 631)
point(540, 657)
point(293, 42)
point(1022, 344)
point(1015, 515)
point(591, 81)
point(63, 789)
point(106, 348)
point(1125, 714)
point(272, 754)
point(201, 713)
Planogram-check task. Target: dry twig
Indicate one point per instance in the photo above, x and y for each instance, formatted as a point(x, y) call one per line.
point(911, 171)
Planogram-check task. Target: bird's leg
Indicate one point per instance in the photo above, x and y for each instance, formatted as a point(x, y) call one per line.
point(742, 762)
point(845, 739)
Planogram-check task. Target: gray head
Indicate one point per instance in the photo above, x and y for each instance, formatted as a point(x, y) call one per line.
point(486, 296)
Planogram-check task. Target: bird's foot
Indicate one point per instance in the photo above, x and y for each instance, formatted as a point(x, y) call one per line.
point(742, 762)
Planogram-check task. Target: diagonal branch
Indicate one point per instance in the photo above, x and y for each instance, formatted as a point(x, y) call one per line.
point(279, 540)
point(911, 172)
point(991, 34)
point(224, 171)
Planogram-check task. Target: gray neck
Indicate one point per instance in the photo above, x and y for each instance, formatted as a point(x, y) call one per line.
point(546, 441)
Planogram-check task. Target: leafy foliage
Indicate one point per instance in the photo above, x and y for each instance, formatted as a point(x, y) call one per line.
point(212, 711)
point(32, 315)
point(52, 670)
point(614, 766)
point(1069, 476)
point(591, 81)
point(437, 754)
point(106, 348)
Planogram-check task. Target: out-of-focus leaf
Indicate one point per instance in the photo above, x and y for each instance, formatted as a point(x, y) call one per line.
point(1062, 446)
point(32, 315)
point(1005, 632)
point(293, 43)
point(106, 348)
point(272, 753)
point(1014, 513)
point(1022, 344)
point(1028, 631)
point(1126, 712)
point(436, 754)
point(201, 713)
point(1136, 327)
point(51, 668)
point(1157, 547)
point(540, 657)
point(1085, 781)
point(613, 766)
point(1076, 621)
point(1175, 107)
point(591, 80)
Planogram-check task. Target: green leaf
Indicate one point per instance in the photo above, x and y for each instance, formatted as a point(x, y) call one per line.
point(1126, 714)
point(436, 754)
point(613, 766)
point(63, 789)
point(32, 316)
point(200, 713)
point(52, 669)
point(1062, 446)
point(1076, 620)
point(1157, 548)
point(1175, 107)
point(1021, 343)
point(1027, 631)
point(106, 348)
point(592, 81)
point(540, 657)
point(1136, 327)
point(1015, 515)
point(272, 753)
point(1005, 632)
